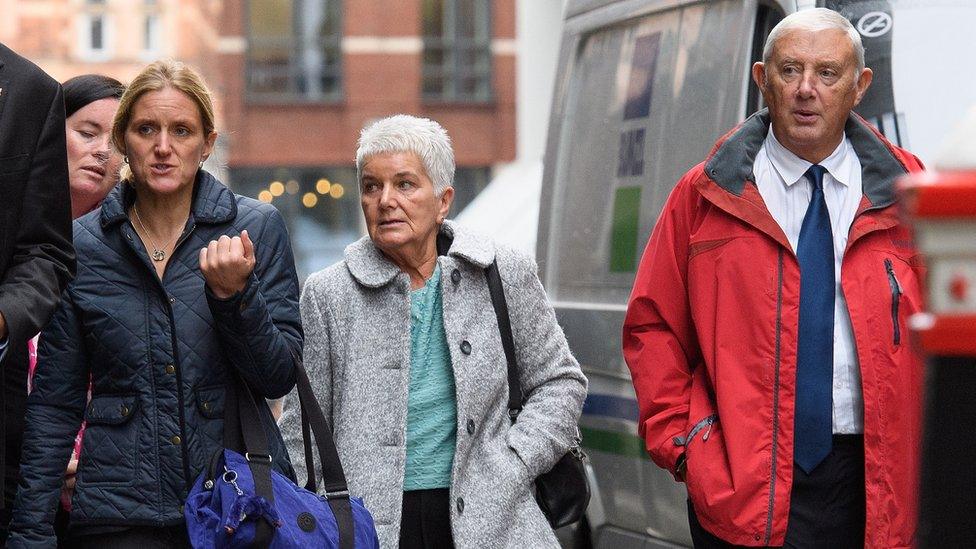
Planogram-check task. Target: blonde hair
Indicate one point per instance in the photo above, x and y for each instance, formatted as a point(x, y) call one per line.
point(165, 73)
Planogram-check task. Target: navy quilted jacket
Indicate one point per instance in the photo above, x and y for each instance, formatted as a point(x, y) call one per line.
point(158, 353)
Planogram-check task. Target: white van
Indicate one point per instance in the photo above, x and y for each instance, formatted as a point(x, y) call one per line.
point(643, 90)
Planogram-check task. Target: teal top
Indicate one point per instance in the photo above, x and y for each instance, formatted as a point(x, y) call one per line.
point(431, 401)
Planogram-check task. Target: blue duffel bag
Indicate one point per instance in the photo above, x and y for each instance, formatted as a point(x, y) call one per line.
point(239, 501)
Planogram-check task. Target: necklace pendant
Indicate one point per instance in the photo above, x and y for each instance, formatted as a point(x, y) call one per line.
point(158, 255)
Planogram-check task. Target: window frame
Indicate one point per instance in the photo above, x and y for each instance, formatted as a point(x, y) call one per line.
point(293, 96)
point(152, 28)
point(453, 72)
point(91, 11)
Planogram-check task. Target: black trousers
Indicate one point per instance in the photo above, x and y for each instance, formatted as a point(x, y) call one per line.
point(14, 401)
point(826, 507)
point(140, 537)
point(426, 519)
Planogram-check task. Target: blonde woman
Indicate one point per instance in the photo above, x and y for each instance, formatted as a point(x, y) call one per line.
point(180, 284)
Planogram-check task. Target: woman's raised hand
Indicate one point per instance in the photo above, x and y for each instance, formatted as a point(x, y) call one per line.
point(226, 264)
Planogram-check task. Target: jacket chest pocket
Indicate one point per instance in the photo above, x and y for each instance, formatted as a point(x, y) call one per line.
point(110, 446)
point(210, 405)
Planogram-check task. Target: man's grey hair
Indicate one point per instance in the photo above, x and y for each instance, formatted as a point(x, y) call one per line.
point(404, 133)
point(816, 19)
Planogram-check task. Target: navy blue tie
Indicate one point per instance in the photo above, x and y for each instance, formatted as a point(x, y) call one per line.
point(815, 345)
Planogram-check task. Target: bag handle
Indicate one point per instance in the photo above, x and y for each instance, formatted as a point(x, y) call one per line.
point(243, 430)
point(508, 342)
point(333, 478)
point(242, 424)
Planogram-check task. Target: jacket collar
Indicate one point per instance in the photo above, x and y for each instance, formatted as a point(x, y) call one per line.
point(213, 203)
point(731, 161)
point(368, 265)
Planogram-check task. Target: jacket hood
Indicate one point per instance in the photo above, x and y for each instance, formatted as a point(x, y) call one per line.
point(212, 203)
point(730, 163)
point(372, 269)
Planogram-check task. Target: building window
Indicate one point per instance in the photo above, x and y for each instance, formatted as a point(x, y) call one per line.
point(294, 49)
point(94, 31)
point(457, 50)
point(468, 183)
point(320, 206)
point(150, 29)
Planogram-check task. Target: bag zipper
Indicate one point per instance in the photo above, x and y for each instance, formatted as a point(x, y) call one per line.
point(895, 298)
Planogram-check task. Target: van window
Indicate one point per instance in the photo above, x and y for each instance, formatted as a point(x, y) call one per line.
point(646, 101)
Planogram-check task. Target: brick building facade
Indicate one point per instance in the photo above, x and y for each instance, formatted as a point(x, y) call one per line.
point(295, 80)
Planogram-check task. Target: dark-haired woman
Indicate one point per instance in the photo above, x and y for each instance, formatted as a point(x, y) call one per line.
point(90, 102)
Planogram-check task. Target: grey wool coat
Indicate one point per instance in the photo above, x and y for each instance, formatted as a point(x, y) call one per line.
point(356, 316)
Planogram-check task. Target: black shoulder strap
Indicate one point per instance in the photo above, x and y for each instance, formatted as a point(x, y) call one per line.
point(243, 431)
point(333, 478)
point(243, 424)
point(508, 343)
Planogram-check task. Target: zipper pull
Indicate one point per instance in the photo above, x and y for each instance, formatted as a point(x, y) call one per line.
point(891, 274)
point(708, 431)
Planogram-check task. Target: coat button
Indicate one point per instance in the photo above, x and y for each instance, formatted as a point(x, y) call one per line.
point(460, 505)
point(456, 276)
point(124, 410)
point(466, 347)
point(470, 426)
point(176, 440)
point(206, 406)
point(172, 299)
point(170, 369)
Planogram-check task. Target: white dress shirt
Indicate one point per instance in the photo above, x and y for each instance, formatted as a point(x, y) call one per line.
point(786, 192)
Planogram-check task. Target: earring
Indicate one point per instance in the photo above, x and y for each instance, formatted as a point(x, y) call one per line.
point(201, 163)
point(125, 159)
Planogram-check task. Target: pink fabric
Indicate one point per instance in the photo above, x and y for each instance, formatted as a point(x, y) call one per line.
point(31, 366)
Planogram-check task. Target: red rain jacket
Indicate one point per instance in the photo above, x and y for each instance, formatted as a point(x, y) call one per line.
point(711, 334)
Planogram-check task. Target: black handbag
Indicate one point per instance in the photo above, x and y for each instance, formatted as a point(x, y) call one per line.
point(563, 492)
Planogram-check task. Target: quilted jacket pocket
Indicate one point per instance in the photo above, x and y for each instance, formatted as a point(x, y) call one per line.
point(210, 402)
point(109, 449)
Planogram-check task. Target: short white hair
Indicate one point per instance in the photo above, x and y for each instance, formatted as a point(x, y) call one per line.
point(816, 19)
point(404, 133)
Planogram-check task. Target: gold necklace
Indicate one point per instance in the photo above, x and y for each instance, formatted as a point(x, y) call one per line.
point(158, 254)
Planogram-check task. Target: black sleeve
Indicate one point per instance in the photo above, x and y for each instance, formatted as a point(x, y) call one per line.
point(43, 259)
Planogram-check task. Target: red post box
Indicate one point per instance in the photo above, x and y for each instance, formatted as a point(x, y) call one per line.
point(942, 209)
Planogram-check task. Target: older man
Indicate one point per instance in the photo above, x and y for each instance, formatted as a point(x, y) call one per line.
point(766, 330)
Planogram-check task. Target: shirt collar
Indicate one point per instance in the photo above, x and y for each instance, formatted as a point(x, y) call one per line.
point(792, 168)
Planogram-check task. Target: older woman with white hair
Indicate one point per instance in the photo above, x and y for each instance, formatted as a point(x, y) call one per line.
point(403, 349)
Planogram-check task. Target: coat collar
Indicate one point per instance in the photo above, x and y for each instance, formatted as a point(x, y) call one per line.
point(368, 265)
point(213, 203)
point(731, 161)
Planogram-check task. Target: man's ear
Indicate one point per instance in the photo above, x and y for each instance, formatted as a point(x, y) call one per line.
point(863, 83)
point(759, 75)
